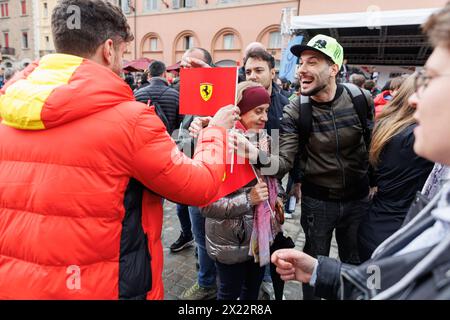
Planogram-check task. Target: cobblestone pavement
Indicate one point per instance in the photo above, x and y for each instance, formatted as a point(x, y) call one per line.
point(179, 268)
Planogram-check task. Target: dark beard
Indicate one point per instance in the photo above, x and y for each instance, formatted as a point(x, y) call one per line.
point(314, 91)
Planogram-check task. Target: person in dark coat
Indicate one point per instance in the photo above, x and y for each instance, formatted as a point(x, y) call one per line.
point(129, 79)
point(260, 67)
point(159, 91)
point(398, 172)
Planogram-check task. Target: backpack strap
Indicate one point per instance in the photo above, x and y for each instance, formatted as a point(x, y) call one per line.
point(304, 121)
point(160, 112)
point(304, 131)
point(361, 106)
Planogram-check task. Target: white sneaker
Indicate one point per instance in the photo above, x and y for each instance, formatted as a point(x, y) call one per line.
point(287, 215)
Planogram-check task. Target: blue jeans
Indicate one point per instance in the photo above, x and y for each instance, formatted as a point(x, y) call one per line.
point(289, 186)
point(320, 218)
point(239, 280)
point(185, 220)
point(207, 268)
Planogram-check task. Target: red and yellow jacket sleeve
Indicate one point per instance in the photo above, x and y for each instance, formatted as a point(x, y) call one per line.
point(173, 175)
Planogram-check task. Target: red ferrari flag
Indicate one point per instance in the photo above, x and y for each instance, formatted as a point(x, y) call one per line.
point(203, 91)
point(242, 174)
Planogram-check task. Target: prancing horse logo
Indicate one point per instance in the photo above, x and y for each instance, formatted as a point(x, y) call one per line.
point(206, 90)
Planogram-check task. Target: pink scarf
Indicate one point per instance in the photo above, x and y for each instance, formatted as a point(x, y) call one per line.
point(263, 219)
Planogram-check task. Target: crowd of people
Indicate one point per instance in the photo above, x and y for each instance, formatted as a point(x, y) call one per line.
point(88, 157)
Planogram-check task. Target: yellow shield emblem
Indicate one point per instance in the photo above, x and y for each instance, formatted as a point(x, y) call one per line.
point(206, 90)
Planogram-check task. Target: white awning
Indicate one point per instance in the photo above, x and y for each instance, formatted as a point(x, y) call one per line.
point(369, 19)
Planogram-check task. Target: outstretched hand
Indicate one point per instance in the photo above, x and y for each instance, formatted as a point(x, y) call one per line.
point(293, 265)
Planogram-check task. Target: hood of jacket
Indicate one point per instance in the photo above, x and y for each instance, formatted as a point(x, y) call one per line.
point(58, 89)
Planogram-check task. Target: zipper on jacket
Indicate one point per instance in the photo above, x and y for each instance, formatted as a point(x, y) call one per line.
point(337, 146)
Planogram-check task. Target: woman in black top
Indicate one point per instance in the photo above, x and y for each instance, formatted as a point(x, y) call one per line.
point(398, 172)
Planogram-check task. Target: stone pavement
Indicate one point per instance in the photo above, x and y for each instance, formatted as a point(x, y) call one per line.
point(179, 268)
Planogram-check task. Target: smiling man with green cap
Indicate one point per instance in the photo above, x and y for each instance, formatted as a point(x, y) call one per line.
point(328, 127)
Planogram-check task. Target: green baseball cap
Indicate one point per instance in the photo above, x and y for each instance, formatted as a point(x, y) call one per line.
point(323, 44)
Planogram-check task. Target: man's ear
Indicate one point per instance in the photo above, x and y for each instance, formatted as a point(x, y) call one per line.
point(108, 52)
point(334, 69)
point(272, 73)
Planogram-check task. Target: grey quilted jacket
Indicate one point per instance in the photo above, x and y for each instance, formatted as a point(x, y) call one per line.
point(229, 225)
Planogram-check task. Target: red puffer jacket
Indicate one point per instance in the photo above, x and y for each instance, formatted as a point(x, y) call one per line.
point(83, 168)
point(381, 101)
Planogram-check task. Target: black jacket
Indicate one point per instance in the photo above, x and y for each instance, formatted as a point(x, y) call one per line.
point(277, 104)
point(428, 274)
point(334, 164)
point(168, 99)
point(399, 175)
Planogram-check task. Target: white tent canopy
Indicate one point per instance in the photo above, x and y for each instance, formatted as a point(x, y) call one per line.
point(369, 19)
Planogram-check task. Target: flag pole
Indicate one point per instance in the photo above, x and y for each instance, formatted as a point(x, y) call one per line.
point(234, 125)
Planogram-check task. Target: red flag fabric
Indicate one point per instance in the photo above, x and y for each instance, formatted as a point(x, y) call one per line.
point(203, 91)
point(242, 174)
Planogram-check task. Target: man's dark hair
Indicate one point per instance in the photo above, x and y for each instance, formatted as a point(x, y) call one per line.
point(156, 68)
point(98, 21)
point(261, 55)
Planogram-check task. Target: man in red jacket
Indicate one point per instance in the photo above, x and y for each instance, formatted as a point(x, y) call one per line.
point(83, 167)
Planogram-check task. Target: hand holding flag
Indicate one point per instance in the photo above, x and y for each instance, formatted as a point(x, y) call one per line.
point(191, 62)
point(225, 117)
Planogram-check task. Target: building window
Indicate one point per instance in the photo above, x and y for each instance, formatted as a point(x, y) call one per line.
point(228, 41)
point(151, 5)
point(6, 38)
point(176, 4)
point(153, 44)
point(23, 5)
point(45, 11)
point(275, 40)
point(24, 40)
point(47, 42)
point(188, 42)
point(125, 5)
point(4, 10)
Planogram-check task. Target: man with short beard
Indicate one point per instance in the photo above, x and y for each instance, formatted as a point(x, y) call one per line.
point(412, 264)
point(260, 67)
point(333, 151)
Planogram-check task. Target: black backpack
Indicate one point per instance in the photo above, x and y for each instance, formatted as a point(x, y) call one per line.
point(160, 112)
point(360, 104)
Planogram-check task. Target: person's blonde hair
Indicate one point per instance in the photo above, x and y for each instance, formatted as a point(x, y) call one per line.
point(437, 27)
point(396, 116)
point(244, 85)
